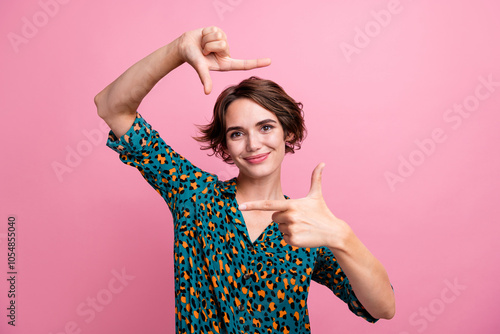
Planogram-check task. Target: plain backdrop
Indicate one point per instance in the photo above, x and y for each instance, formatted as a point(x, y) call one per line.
point(402, 103)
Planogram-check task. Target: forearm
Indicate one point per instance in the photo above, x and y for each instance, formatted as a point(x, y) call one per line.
point(205, 49)
point(124, 95)
point(366, 275)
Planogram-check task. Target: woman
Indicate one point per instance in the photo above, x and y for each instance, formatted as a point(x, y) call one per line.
point(245, 254)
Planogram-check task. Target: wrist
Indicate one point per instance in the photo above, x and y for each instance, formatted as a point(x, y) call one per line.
point(179, 48)
point(171, 56)
point(340, 237)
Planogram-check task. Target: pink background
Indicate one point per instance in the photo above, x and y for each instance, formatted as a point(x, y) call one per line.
point(435, 226)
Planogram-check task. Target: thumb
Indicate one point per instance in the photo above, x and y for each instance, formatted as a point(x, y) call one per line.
point(316, 180)
point(205, 78)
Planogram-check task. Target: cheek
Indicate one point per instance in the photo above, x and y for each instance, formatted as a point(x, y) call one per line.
point(232, 148)
point(279, 141)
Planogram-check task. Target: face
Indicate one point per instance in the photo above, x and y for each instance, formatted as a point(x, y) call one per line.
point(255, 139)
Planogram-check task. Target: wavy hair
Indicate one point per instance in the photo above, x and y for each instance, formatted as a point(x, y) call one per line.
point(270, 96)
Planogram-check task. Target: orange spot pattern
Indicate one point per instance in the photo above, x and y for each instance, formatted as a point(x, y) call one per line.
point(224, 283)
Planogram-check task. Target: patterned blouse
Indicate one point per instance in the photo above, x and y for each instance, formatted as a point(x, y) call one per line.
point(224, 283)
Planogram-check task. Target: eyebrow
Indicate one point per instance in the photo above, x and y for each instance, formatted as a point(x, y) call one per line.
point(265, 121)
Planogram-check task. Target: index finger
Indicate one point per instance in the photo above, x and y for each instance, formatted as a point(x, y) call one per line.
point(248, 64)
point(265, 205)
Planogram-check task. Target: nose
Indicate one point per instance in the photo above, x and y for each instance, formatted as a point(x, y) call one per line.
point(253, 142)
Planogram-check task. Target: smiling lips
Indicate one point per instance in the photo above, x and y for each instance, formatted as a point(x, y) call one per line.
point(255, 159)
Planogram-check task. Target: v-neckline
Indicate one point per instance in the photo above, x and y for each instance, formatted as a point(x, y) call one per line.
point(231, 188)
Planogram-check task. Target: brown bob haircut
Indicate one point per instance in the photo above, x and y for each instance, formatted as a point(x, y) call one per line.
point(270, 96)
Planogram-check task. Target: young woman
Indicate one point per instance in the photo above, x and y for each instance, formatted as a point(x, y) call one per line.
point(245, 254)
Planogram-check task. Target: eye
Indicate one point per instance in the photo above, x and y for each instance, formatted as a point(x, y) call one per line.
point(235, 134)
point(267, 127)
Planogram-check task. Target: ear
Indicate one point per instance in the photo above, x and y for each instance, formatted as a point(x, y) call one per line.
point(289, 137)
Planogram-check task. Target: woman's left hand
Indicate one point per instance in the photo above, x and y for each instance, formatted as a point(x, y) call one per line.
point(305, 222)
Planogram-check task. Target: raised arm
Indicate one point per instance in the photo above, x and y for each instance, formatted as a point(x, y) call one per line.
point(205, 49)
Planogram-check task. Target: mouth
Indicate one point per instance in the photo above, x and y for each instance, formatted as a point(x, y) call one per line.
point(255, 159)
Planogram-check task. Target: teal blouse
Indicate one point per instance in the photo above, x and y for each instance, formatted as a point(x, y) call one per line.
point(224, 283)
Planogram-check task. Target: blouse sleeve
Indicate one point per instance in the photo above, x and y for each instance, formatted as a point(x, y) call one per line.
point(327, 272)
point(169, 173)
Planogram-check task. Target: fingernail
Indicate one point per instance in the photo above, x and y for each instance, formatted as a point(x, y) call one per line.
point(242, 207)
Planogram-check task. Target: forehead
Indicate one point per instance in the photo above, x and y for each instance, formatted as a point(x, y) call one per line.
point(244, 111)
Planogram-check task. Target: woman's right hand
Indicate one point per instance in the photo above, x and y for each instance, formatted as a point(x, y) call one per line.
point(206, 49)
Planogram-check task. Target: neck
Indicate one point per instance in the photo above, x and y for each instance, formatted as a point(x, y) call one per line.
point(267, 188)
